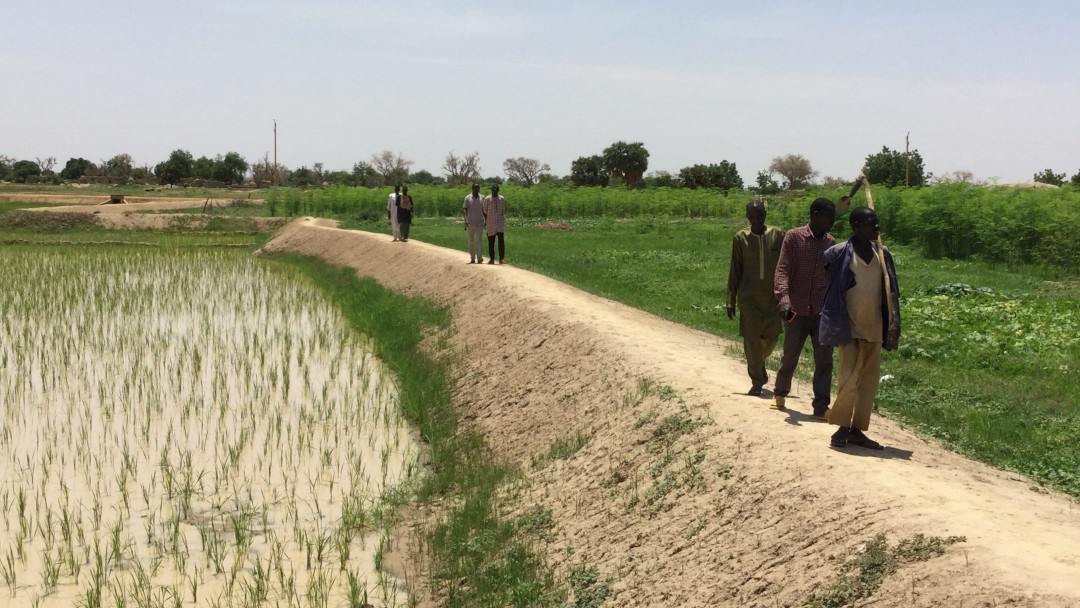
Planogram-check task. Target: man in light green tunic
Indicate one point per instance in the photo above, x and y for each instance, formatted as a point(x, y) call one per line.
point(754, 253)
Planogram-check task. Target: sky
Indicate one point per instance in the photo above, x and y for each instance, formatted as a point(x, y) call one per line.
point(991, 87)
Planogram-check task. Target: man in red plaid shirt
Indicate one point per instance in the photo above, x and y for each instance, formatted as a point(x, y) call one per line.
point(800, 294)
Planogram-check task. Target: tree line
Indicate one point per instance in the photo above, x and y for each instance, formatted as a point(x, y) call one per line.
point(620, 164)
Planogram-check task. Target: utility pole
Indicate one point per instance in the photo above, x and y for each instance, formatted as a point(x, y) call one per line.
point(907, 155)
point(274, 173)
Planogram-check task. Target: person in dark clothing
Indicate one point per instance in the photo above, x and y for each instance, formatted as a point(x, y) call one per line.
point(405, 210)
point(859, 318)
point(495, 223)
point(800, 294)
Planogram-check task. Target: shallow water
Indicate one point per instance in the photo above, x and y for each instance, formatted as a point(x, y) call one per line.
point(192, 425)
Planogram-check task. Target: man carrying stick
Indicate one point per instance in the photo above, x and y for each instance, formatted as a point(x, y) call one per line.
point(859, 318)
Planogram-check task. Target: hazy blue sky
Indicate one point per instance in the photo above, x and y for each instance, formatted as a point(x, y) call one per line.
point(989, 86)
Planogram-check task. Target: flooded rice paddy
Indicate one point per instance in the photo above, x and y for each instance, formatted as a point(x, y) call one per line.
point(188, 427)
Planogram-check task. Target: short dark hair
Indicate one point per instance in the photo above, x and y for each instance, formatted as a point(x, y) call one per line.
point(755, 204)
point(860, 215)
point(822, 205)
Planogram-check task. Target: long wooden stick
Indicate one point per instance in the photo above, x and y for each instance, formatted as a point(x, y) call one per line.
point(881, 256)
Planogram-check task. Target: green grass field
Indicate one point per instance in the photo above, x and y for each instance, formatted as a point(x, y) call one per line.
point(987, 363)
point(989, 354)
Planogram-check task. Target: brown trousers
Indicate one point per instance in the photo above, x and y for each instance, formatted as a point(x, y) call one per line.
point(857, 386)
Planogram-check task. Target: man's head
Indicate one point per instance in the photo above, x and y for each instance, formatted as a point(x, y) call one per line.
point(494, 189)
point(864, 223)
point(475, 189)
point(822, 215)
point(397, 189)
point(404, 189)
point(755, 214)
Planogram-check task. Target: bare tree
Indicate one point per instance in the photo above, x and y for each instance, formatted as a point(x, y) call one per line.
point(46, 164)
point(963, 176)
point(795, 170)
point(524, 171)
point(392, 166)
point(266, 171)
point(461, 171)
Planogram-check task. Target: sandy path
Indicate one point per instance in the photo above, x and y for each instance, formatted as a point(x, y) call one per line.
point(543, 358)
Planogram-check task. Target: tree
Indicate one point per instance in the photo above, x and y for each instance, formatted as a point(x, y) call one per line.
point(425, 178)
point(203, 168)
point(766, 184)
point(795, 170)
point(550, 179)
point(589, 171)
point(722, 177)
point(894, 168)
point(394, 168)
point(660, 179)
point(1047, 176)
point(626, 161)
point(230, 168)
point(461, 171)
point(119, 166)
point(23, 169)
point(76, 168)
point(267, 172)
point(365, 175)
point(302, 177)
point(1075, 180)
point(180, 166)
point(46, 164)
point(5, 167)
point(524, 171)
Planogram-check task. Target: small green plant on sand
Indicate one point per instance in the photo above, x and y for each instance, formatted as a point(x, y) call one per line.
point(874, 562)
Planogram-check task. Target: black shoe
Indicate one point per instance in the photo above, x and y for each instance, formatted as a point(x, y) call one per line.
point(755, 391)
point(856, 437)
point(840, 438)
point(491, 261)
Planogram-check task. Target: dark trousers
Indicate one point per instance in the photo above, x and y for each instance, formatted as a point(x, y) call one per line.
point(405, 229)
point(491, 246)
point(795, 334)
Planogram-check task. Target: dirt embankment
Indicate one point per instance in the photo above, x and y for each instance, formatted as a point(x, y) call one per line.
point(132, 214)
point(688, 492)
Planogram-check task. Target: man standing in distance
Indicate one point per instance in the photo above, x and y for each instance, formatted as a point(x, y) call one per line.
point(473, 210)
point(495, 214)
point(856, 320)
point(800, 294)
point(754, 253)
point(391, 212)
point(404, 213)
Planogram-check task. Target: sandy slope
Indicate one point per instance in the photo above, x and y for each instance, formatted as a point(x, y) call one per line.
point(130, 214)
point(759, 511)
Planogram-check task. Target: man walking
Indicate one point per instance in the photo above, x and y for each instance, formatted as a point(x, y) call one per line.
point(754, 253)
point(800, 294)
point(495, 215)
point(856, 319)
point(473, 211)
point(392, 212)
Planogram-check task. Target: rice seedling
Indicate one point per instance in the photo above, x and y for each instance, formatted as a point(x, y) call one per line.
point(181, 427)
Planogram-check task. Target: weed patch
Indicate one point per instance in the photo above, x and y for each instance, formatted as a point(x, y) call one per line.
point(876, 560)
point(561, 449)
